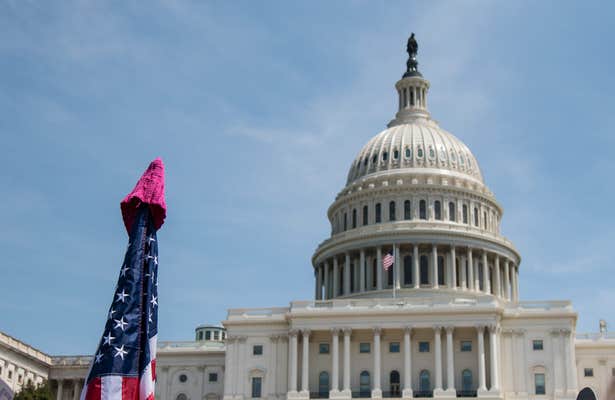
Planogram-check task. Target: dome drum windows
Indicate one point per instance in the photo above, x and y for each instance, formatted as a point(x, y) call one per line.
point(407, 210)
point(354, 218)
point(395, 154)
point(437, 210)
point(378, 213)
point(451, 211)
point(408, 153)
point(392, 211)
point(423, 209)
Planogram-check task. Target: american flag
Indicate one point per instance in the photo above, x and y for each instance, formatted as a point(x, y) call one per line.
point(124, 366)
point(387, 261)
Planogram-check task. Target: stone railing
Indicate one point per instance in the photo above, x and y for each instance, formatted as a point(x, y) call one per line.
point(71, 361)
point(595, 336)
point(187, 345)
point(545, 305)
point(23, 348)
point(256, 313)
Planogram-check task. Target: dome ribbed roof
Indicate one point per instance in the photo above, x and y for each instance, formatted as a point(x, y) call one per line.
point(415, 147)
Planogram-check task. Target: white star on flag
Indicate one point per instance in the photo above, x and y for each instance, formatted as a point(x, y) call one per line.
point(121, 296)
point(119, 323)
point(108, 339)
point(120, 352)
point(98, 358)
point(154, 301)
point(111, 312)
point(124, 270)
point(155, 259)
point(151, 239)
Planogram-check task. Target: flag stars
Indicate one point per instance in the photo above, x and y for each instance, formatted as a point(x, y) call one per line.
point(121, 296)
point(151, 239)
point(154, 301)
point(155, 259)
point(111, 312)
point(98, 357)
point(124, 270)
point(120, 352)
point(120, 323)
point(107, 339)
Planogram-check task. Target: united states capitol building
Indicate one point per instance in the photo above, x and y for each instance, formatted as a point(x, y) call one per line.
point(445, 321)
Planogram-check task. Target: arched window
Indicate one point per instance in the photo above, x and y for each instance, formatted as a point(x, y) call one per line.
point(365, 215)
point(392, 211)
point(395, 154)
point(375, 158)
point(407, 210)
point(424, 264)
point(378, 213)
point(323, 384)
point(437, 207)
point(466, 380)
point(354, 218)
point(408, 152)
point(385, 156)
point(374, 273)
point(181, 396)
point(424, 381)
point(407, 270)
point(422, 209)
point(345, 221)
point(394, 381)
point(465, 214)
point(364, 384)
point(475, 216)
point(441, 270)
point(451, 211)
point(586, 394)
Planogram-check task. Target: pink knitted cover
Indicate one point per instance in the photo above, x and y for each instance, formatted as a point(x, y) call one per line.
point(149, 190)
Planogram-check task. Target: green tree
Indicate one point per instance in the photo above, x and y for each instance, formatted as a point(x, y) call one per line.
point(34, 392)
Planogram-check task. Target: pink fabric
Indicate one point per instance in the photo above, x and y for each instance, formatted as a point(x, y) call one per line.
point(149, 190)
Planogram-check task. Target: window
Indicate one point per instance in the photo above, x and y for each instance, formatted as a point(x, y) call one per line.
point(407, 270)
point(323, 348)
point(423, 347)
point(20, 379)
point(392, 211)
point(364, 347)
point(408, 152)
point(440, 270)
point(475, 216)
point(345, 221)
point(466, 345)
point(395, 154)
point(424, 264)
point(257, 350)
point(451, 211)
point(588, 372)
point(365, 215)
point(466, 380)
point(10, 374)
point(183, 378)
point(354, 218)
point(213, 377)
point(256, 387)
point(375, 158)
point(323, 384)
point(407, 210)
point(539, 383)
point(199, 336)
point(424, 381)
point(537, 345)
point(364, 384)
point(422, 209)
point(419, 153)
point(394, 347)
point(437, 210)
point(465, 213)
point(378, 213)
point(181, 396)
point(207, 335)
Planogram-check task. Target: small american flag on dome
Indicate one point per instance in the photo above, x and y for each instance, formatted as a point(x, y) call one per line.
point(387, 261)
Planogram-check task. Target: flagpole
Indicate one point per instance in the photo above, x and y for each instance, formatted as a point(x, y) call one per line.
point(394, 276)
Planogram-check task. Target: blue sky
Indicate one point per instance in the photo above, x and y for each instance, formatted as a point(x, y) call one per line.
point(258, 109)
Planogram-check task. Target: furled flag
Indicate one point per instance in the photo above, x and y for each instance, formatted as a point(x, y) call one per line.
point(124, 366)
point(387, 261)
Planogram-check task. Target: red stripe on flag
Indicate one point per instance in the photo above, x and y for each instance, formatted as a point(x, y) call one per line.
point(130, 388)
point(94, 389)
point(150, 397)
point(154, 370)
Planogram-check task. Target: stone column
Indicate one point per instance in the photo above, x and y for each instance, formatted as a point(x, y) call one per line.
point(557, 361)
point(327, 283)
point(377, 390)
point(77, 389)
point(482, 385)
point(336, 278)
point(347, 274)
point(305, 363)
point(243, 353)
point(347, 391)
point(506, 280)
point(497, 277)
point(521, 354)
point(493, 352)
point(273, 366)
point(357, 276)
point(407, 391)
point(464, 278)
point(470, 270)
point(434, 262)
point(318, 289)
point(397, 265)
point(450, 362)
point(476, 276)
point(486, 277)
point(335, 357)
point(453, 281)
point(570, 365)
point(362, 271)
point(228, 373)
point(292, 384)
point(60, 389)
point(415, 266)
point(379, 268)
point(438, 358)
point(516, 272)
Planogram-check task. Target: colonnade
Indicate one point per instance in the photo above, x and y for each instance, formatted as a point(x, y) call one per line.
point(439, 388)
point(75, 384)
point(432, 266)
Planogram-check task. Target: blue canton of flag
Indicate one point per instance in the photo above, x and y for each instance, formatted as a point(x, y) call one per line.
point(124, 366)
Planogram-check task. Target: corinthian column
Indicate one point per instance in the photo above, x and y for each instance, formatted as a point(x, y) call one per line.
point(506, 280)
point(362, 271)
point(495, 365)
point(415, 266)
point(376, 390)
point(60, 387)
point(486, 278)
point(305, 364)
point(407, 391)
point(347, 274)
point(450, 362)
point(327, 283)
point(347, 391)
point(379, 268)
point(453, 281)
point(470, 270)
point(434, 262)
point(438, 358)
point(482, 385)
point(335, 357)
point(497, 277)
point(292, 385)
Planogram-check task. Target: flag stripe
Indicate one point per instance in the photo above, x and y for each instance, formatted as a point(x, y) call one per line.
point(93, 389)
point(111, 388)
